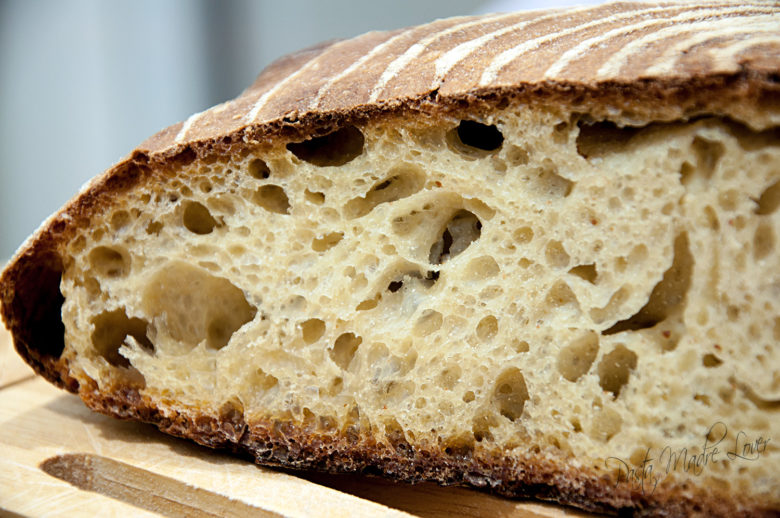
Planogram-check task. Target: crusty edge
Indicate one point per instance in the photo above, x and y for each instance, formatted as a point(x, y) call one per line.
point(306, 446)
point(26, 284)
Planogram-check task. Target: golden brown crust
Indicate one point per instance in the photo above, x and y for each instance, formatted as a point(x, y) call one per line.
point(382, 75)
point(312, 446)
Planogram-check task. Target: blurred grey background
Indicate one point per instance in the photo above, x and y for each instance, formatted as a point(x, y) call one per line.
point(82, 82)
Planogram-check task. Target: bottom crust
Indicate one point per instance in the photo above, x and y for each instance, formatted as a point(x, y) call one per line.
point(290, 445)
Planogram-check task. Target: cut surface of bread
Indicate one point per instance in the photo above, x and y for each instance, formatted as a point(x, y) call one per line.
point(534, 253)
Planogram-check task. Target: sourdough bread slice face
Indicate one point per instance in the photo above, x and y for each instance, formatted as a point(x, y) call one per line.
point(534, 253)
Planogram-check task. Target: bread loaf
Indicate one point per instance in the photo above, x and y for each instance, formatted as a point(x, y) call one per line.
point(535, 253)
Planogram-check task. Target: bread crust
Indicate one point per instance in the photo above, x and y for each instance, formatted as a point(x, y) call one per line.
point(293, 100)
point(308, 446)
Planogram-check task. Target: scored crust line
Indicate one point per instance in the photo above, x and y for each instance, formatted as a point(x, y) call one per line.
point(376, 50)
point(181, 136)
point(261, 102)
point(397, 65)
point(670, 58)
point(506, 57)
point(612, 66)
point(454, 56)
point(573, 53)
point(732, 49)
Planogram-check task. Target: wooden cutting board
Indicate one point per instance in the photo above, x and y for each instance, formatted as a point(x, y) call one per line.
point(57, 458)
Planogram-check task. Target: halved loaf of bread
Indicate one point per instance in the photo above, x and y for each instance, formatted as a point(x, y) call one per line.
point(535, 253)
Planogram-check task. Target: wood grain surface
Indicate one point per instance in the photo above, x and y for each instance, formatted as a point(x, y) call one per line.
point(60, 459)
point(12, 368)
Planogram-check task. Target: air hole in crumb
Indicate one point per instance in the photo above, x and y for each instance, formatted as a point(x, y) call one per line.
point(369, 303)
point(395, 286)
point(481, 268)
point(326, 242)
point(710, 360)
point(219, 331)
point(712, 218)
point(481, 425)
point(336, 386)
point(429, 322)
point(334, 149)
point(638, 456)
point(520, 346)
point(769, 200)
point(309, 419)
point(561, 295)
point(312, 330)
point(154, 227)
point(112, 329)
point(232, 411)
point(413, 278)
point(776, 329)
point(463, 229)
point(729, 199)
point(708, 153)
point(474, 139)
point(449, 377)
point(401, 183)
point(517, 156)
point(490, 292)
point(546, 181)
point(193, 306)
point(259, 169)
point(469, 396)
point(667, 296)
point(561, 132)
point(760, 402)
point(600, 138)
point(763, 241)
point(394, 434)
point(575, 359)
point(510, 393)
point(615, 367)
point(638, 255)
point(262, 380)
point(523, 235)
point(605, 425)
point(119, 220)
point(273, 199)
point(78, 244)
point(314, 197)
point(487, 329)
point(109, 262)
point(344, 349)
point(556, 255)
point(460, 446)
point(197, 218)
point(586, 272)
